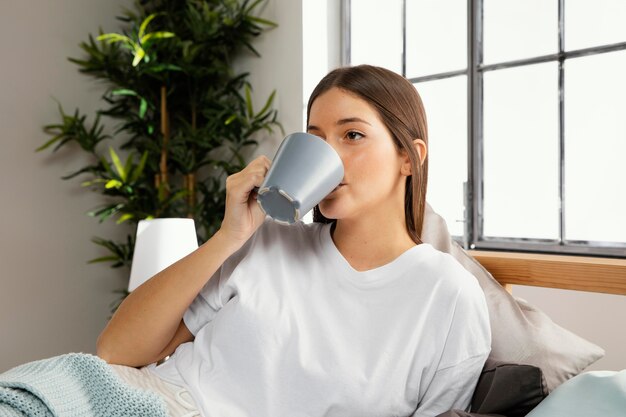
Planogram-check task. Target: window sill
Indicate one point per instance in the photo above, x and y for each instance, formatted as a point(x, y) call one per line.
point(604, 275)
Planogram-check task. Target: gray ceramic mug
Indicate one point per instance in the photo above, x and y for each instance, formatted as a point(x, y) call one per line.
point(304, 171)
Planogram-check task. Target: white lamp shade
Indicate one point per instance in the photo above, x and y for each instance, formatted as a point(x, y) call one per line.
point(160, 243)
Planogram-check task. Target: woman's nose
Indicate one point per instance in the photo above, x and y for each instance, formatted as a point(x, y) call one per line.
point(335, 145)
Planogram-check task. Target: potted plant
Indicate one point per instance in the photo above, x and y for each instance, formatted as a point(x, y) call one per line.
point(184, 117)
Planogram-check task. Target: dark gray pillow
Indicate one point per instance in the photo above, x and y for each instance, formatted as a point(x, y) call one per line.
point(509, 389)
point(520, 332)
point(505, 390)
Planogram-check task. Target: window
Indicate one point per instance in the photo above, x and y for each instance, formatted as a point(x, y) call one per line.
point(525, 103)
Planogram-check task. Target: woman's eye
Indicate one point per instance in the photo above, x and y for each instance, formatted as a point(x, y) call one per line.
point(353, 136)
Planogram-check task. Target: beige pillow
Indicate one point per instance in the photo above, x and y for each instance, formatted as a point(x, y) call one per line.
point(520, 332)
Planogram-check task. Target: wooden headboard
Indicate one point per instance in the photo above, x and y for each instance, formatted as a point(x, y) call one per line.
point(604, 275)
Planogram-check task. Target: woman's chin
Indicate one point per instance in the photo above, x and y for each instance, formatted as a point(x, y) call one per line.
point(330, 209)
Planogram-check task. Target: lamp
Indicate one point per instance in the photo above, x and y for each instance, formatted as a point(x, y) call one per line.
point(160, 243)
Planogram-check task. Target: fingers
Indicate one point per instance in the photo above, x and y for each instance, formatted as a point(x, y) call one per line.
point(241, 184)
point(243, 215)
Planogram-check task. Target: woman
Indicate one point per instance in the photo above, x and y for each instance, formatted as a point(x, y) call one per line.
point(350, 316)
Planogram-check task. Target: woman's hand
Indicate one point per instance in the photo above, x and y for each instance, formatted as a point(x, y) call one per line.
point(243, 215)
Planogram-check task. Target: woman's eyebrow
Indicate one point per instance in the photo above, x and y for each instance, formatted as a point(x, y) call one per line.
point(342, 122)
point(352, 120)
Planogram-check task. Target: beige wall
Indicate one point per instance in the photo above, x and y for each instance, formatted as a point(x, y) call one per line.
point(279, 68)
point(51, 301)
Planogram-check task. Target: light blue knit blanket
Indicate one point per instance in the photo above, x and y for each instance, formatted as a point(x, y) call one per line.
point(73, 385)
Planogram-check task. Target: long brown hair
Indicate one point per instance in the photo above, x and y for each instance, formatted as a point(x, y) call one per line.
point(401, 110)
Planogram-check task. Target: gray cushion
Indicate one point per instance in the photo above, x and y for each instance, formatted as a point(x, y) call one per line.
point(505, 390)
point(508, 389)
point(521, 333)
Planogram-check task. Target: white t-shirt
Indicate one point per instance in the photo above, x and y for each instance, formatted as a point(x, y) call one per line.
point(286, 327)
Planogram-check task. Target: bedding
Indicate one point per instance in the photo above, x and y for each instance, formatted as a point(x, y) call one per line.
point(520, 332)
point(596, 393)
point(73, 385)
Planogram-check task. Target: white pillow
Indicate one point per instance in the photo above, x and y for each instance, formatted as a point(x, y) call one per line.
point(521, 333)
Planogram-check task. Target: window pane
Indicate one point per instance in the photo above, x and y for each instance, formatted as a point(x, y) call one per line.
point(515, 29)
point(595, 148)
point(445, 102)
point(594, 23)
point(376, 34)
point(436, 36)
point(521, 161)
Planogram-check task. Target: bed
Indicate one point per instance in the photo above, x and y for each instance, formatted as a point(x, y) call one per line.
point(512, 389)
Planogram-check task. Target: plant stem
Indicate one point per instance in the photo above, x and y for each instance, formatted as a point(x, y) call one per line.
point(194, 117)
point(165, 131)
point(190, 185)
point(190, 178)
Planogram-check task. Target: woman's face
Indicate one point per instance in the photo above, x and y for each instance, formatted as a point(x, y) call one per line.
point(373, 180)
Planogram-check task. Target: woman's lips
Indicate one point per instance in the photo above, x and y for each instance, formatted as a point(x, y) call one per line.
point(338, 187)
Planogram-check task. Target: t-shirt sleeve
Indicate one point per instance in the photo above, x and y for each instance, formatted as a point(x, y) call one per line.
point(452, 388)
point(466, 349)
point(206, 304)
point(216, 291)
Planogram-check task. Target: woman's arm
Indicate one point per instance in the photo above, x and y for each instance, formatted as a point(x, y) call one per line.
point(148, 324)
point(151, 315)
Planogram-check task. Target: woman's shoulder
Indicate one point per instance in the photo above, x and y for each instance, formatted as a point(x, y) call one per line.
point(447, 272)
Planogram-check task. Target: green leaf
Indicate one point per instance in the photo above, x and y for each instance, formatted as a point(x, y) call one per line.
point(106, 165)
point(251, 48)
point(114, 37)
point(263, 21)
point(248, 10)
point(129, 165)
point(249, 101)
point(113, 184)
point(106, 212)
point(124, 218)
point(118, 164)
point(91, 168)
point(143, 107)
point(248, 143)
point(178, 195)
point(155, 35)
point(145, 23)
point(92, 182)
point(162, 192)
point(164, 67)
point(139, 55)
point(268, 103)
point(230, 119)
point(139, 168)
point(103, 259)
point(124, 92)
point(49, 143)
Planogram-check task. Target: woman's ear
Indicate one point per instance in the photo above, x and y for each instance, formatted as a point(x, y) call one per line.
point(420, 147)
